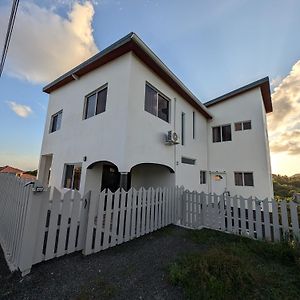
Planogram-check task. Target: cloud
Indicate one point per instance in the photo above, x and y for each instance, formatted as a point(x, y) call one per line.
point(21, 110)
point(276, 81)
point(284, 124)
point(44, 44)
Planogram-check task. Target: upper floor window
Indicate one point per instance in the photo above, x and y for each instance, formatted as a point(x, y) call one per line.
point(55, 121)
point(157, 104)
point(221, 133)
point(95, 103)
point(72, 174)
point(246, 125)
point(243, 178)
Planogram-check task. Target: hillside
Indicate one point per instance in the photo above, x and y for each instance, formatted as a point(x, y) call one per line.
point(285, 187)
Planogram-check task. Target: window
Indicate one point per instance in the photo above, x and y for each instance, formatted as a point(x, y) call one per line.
point(188, 161)
point(156, 103)
point(239, 126)
point(55, 121)
point(202, 177)
point(182, 128)
point(238, 178)
point(247, 125)
point(193, 125)
point(248, 179)
point(95, 103)
point(221, 133)
point(72, 176)
point(243, 179)
point(216, 134)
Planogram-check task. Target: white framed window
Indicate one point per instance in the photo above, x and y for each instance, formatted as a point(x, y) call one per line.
point(55, 122)
point(244, 125)
point(156, 103)
point(243, 179)
point(95, 102)
point(71, 177)
point(202, 177)
point(221, 133)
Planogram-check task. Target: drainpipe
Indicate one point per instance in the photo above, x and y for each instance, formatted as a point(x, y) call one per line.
point(175, 146)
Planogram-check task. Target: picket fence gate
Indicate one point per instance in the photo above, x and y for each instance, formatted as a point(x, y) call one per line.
point(36, 227)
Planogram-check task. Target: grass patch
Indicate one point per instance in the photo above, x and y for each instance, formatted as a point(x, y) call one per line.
point(234, 267)
point(97, 289)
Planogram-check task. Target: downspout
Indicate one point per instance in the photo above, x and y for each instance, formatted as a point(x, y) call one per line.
point(175, 146)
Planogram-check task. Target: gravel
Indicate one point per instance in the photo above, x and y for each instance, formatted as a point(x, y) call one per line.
point(133, 270)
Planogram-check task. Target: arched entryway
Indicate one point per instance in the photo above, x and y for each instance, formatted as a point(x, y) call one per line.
point(152, 175)
point(102, 175)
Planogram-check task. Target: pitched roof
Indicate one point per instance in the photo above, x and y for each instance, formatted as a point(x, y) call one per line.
point(130, 42)
point(263, 84)
point(27, 176)
point(11, 170)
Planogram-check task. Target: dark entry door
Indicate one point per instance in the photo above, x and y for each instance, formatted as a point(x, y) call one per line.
point(110, 178)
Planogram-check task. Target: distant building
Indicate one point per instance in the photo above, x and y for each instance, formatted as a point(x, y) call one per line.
point(11, 170)
point(17, 172)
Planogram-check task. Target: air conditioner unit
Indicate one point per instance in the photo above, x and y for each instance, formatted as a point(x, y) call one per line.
point(172, 138)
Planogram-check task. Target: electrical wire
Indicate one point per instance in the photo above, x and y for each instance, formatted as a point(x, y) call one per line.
point(9, 33)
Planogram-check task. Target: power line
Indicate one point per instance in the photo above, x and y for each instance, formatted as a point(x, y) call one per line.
point(10, 27)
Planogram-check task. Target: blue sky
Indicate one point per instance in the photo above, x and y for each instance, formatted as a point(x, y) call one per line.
point(212, 46)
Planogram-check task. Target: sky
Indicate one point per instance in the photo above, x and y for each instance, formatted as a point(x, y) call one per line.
point(213, 46)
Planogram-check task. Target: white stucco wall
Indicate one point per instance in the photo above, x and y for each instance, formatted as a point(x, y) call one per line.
point(151, 176)
point(248, 151)
point(146, 132)
point(126, 135)
point(101, 137)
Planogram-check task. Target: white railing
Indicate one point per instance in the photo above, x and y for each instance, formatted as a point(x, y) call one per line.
point(35, 227)
point(14, 198)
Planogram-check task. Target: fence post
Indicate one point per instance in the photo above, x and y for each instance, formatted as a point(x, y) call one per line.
point(31, 226)
point(91, 213)
point(179, 199)
point(201, 209)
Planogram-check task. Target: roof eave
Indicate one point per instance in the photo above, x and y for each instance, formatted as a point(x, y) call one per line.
point(263, 84)
point(133, 43)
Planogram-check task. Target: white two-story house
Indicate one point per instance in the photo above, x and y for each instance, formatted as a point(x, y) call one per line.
point(123, 119)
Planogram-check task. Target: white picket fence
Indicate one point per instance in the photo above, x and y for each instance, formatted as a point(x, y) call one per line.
point(115, 218)
point(259, 219)
point(13, 210)
point(35, 227)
